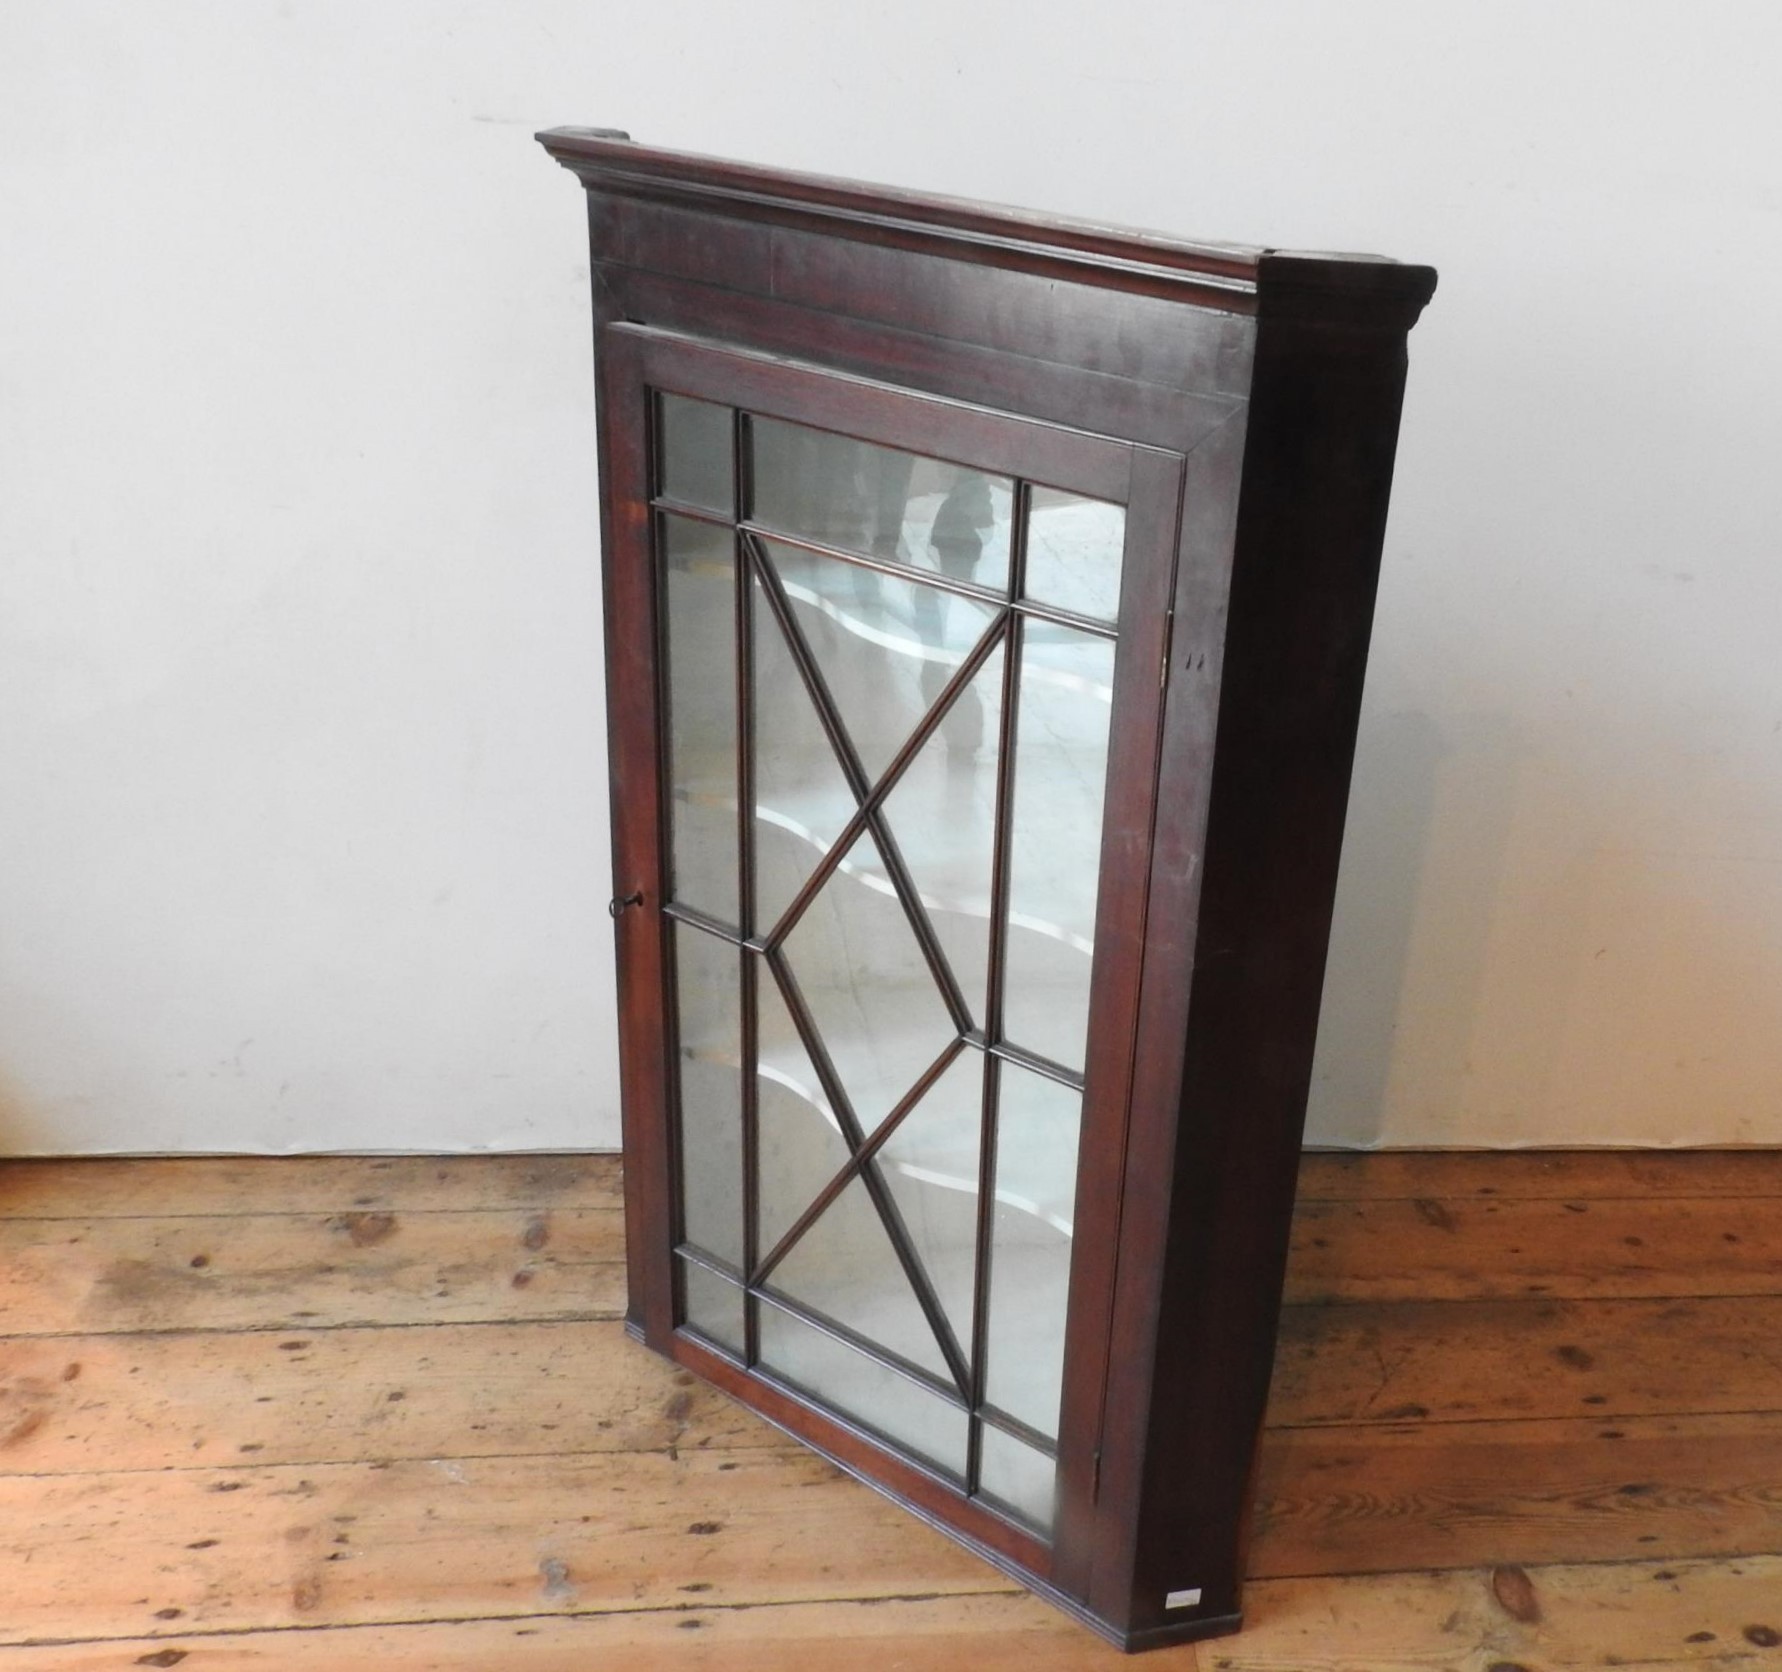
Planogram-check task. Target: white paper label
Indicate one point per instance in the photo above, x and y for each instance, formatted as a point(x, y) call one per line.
point(1183, 1599)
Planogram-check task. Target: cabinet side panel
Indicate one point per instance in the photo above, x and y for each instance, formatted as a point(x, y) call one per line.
point(1316, 478)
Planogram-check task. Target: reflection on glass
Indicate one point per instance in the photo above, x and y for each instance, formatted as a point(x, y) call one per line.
point(846, 1268)
point(708, 1011)
point(868, 985)
point(802, 800)
point(1061, 758)
point(714, 1306)
point(701, 569)
point(898, 507)
point(942, 813)
point(1036, 1179)
point(1018, 1477)
point(886, 647)
point(930, 1162)
point(697, 463)
point(800, 1142)
point(1074, 552)
point(832, 1372)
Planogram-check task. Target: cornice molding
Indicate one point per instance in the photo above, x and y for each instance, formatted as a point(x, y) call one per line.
point(1355, 290)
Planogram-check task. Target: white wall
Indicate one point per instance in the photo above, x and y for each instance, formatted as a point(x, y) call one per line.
point(301, 798)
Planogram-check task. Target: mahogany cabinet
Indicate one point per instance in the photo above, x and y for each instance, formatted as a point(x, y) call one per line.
point(987, 603)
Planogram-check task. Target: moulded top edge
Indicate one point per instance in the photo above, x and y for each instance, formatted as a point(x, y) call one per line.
point(604, 157)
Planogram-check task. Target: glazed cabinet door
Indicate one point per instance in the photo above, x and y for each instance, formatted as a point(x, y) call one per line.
point(886, 678)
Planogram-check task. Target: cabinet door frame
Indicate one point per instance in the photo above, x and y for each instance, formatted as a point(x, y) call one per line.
point(638, 363)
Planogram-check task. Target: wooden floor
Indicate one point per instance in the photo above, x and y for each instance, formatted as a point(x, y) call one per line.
point(381, 1413)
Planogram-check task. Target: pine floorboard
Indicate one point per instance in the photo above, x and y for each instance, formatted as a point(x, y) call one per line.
point(380, 1411)
point(308, 1271)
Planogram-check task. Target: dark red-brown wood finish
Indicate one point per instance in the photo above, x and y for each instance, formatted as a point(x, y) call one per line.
point(1242, 405)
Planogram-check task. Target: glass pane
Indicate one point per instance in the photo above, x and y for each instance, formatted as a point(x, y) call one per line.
point(800, 1142)
point(942, 814)
point(863, 1389)
point(846, 1268)
point(697, 464)
point(802, 800)
point(895, 506)
point(1036, 1183)
point(708, 993)
point(1017, 1477)
point(701, 564)
point(714, 1306)
point(886, 646)
point(868, 986)
point(1074, 550)
point(931, 1164)
point(1061, 758)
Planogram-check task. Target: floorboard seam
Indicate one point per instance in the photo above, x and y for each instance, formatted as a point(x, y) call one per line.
point(610, 1210)
point(1303, 1200)
point(778, 1445)
point(1603, 1418)
point(1712, 1558)
point(306, 1326)
point(213, 1633)
point(1335, 1303)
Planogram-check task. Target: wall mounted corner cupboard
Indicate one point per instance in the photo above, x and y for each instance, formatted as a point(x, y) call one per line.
point(987, 604)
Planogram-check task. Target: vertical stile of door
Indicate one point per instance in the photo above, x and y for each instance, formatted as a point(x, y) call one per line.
point(1013, 641)
point(654, 452)
point(635, 614)
point(749, 974)
point(1142, 673)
